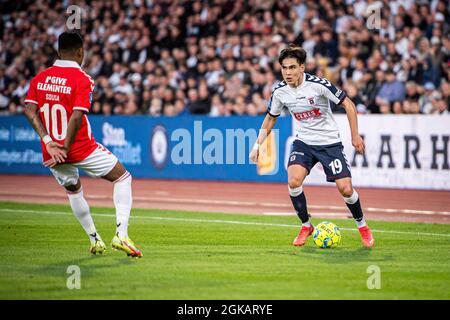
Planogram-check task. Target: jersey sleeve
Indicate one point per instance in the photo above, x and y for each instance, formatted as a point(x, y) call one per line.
point(32, 93)
point(83, 95)
point(332, 92)
point(275, 106)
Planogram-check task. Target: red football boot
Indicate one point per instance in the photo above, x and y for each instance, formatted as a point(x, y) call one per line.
point(366, 236)
point(305, 232)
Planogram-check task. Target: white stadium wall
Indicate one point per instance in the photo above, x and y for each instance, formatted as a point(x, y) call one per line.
point(402, 151)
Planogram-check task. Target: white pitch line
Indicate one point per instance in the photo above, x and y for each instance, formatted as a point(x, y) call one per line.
point(221, 221)
point(281, 214)
point(273, 204)
point(331, 214)
point(169, 199)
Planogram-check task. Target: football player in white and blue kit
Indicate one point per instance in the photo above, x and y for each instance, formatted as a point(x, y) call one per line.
point(317, 139)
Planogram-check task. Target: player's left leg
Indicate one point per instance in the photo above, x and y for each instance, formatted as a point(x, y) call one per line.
point(353, 203)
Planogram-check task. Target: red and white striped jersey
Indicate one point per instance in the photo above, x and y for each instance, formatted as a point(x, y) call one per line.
point(58, 91)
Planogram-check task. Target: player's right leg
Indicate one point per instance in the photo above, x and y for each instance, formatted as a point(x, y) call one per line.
point(68, 177)
point(300, 162)
point(296, 175)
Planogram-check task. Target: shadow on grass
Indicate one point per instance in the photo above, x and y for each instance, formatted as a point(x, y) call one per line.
point(90, 266)
point(342, 255)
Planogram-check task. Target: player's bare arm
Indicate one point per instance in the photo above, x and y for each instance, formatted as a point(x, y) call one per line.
point(54, 149)
point(352, 117)
point(266, 128)
point(72, 128)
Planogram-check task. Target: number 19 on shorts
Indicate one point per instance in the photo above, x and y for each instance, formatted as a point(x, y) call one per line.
point(336, 166)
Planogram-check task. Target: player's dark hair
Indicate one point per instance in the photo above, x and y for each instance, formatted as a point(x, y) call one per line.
point(69, 41)
point(293, 51)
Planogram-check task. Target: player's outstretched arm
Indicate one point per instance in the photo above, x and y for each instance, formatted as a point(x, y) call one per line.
point(266, 128)
point(72, 128)
point(352, 116)
point(54, 149)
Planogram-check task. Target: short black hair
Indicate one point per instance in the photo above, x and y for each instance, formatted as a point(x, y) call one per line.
point(293, 51)
point(69, 41)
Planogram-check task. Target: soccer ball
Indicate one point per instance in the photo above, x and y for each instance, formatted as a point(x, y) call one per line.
point(327, 235)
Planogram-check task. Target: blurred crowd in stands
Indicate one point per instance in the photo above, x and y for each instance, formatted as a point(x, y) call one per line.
point(220, 57)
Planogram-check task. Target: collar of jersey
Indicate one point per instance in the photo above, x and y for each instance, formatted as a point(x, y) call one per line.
point(301, 84)
point(66, 64)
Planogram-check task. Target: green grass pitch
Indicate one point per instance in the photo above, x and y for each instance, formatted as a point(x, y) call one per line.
point(193, 255)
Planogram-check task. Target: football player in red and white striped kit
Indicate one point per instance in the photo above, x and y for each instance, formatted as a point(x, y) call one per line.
point(57, 105)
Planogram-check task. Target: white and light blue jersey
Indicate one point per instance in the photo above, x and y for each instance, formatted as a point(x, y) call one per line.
point(309, 105)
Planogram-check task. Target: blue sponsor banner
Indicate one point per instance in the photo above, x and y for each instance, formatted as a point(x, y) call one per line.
point(20, 149)
point(193, 147)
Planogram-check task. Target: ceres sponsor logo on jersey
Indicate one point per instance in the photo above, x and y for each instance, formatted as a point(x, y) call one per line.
point(338, 93)
point(314, 113)
point(159, 147)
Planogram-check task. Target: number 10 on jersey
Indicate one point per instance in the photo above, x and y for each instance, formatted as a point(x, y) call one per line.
point(56, 122)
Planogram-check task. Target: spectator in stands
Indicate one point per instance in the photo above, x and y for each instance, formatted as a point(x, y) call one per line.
point(416, 70)
point(445, 89)
point(392, 90)
point(437, 105)
point(384, 106)
point(414, 107)
point(138, 51)
point(425, 99)
point(412, 92)
point(195, 105)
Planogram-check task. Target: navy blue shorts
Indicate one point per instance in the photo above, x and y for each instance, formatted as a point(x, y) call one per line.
point(332, 158)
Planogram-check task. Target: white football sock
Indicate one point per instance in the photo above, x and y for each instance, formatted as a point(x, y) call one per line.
point(307, 224)
point(353, 198)
point(295, 192)
point(361, 223)
point(81, 210)
point(123, 200)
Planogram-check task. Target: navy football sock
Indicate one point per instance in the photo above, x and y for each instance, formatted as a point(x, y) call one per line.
point(354, 205)
point(355, 209)
point(299, 202)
